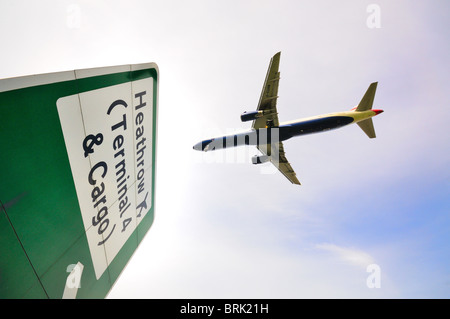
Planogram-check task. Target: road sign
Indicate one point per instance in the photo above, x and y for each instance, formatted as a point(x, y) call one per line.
point(77, 172)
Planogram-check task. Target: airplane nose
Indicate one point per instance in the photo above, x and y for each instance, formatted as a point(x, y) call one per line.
point(198, 146)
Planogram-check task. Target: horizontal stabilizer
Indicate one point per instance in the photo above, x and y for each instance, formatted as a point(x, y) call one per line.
point(367, 100)
point(367, 127)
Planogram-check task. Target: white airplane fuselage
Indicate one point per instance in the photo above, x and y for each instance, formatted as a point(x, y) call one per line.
point(287, 130)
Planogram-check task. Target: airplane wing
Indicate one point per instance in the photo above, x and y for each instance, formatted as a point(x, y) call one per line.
point(268, 100)
point(281, 162)
point(268, 104)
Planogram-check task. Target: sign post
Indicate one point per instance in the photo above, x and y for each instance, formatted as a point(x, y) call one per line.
point(77, 171)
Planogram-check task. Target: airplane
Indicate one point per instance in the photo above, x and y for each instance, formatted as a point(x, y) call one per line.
point(267, 134)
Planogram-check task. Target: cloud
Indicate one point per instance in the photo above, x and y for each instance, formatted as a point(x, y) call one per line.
point(347, 255)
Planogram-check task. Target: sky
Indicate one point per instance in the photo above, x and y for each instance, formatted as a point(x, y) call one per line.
point(371, 219)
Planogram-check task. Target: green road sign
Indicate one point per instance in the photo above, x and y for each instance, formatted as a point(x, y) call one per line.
point(77, 178)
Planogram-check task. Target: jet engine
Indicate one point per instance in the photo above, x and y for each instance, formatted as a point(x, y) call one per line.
point(260, 159)
point(250, 116)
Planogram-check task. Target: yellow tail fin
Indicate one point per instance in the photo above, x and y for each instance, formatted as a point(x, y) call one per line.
point(367, 127)
point(367, 100)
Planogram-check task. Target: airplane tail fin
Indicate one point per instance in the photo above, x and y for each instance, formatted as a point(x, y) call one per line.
point(365, 105)
point(367, 100)
point(367, 127)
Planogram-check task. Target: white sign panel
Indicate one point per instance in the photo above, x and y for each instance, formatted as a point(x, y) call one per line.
point(108, 136)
